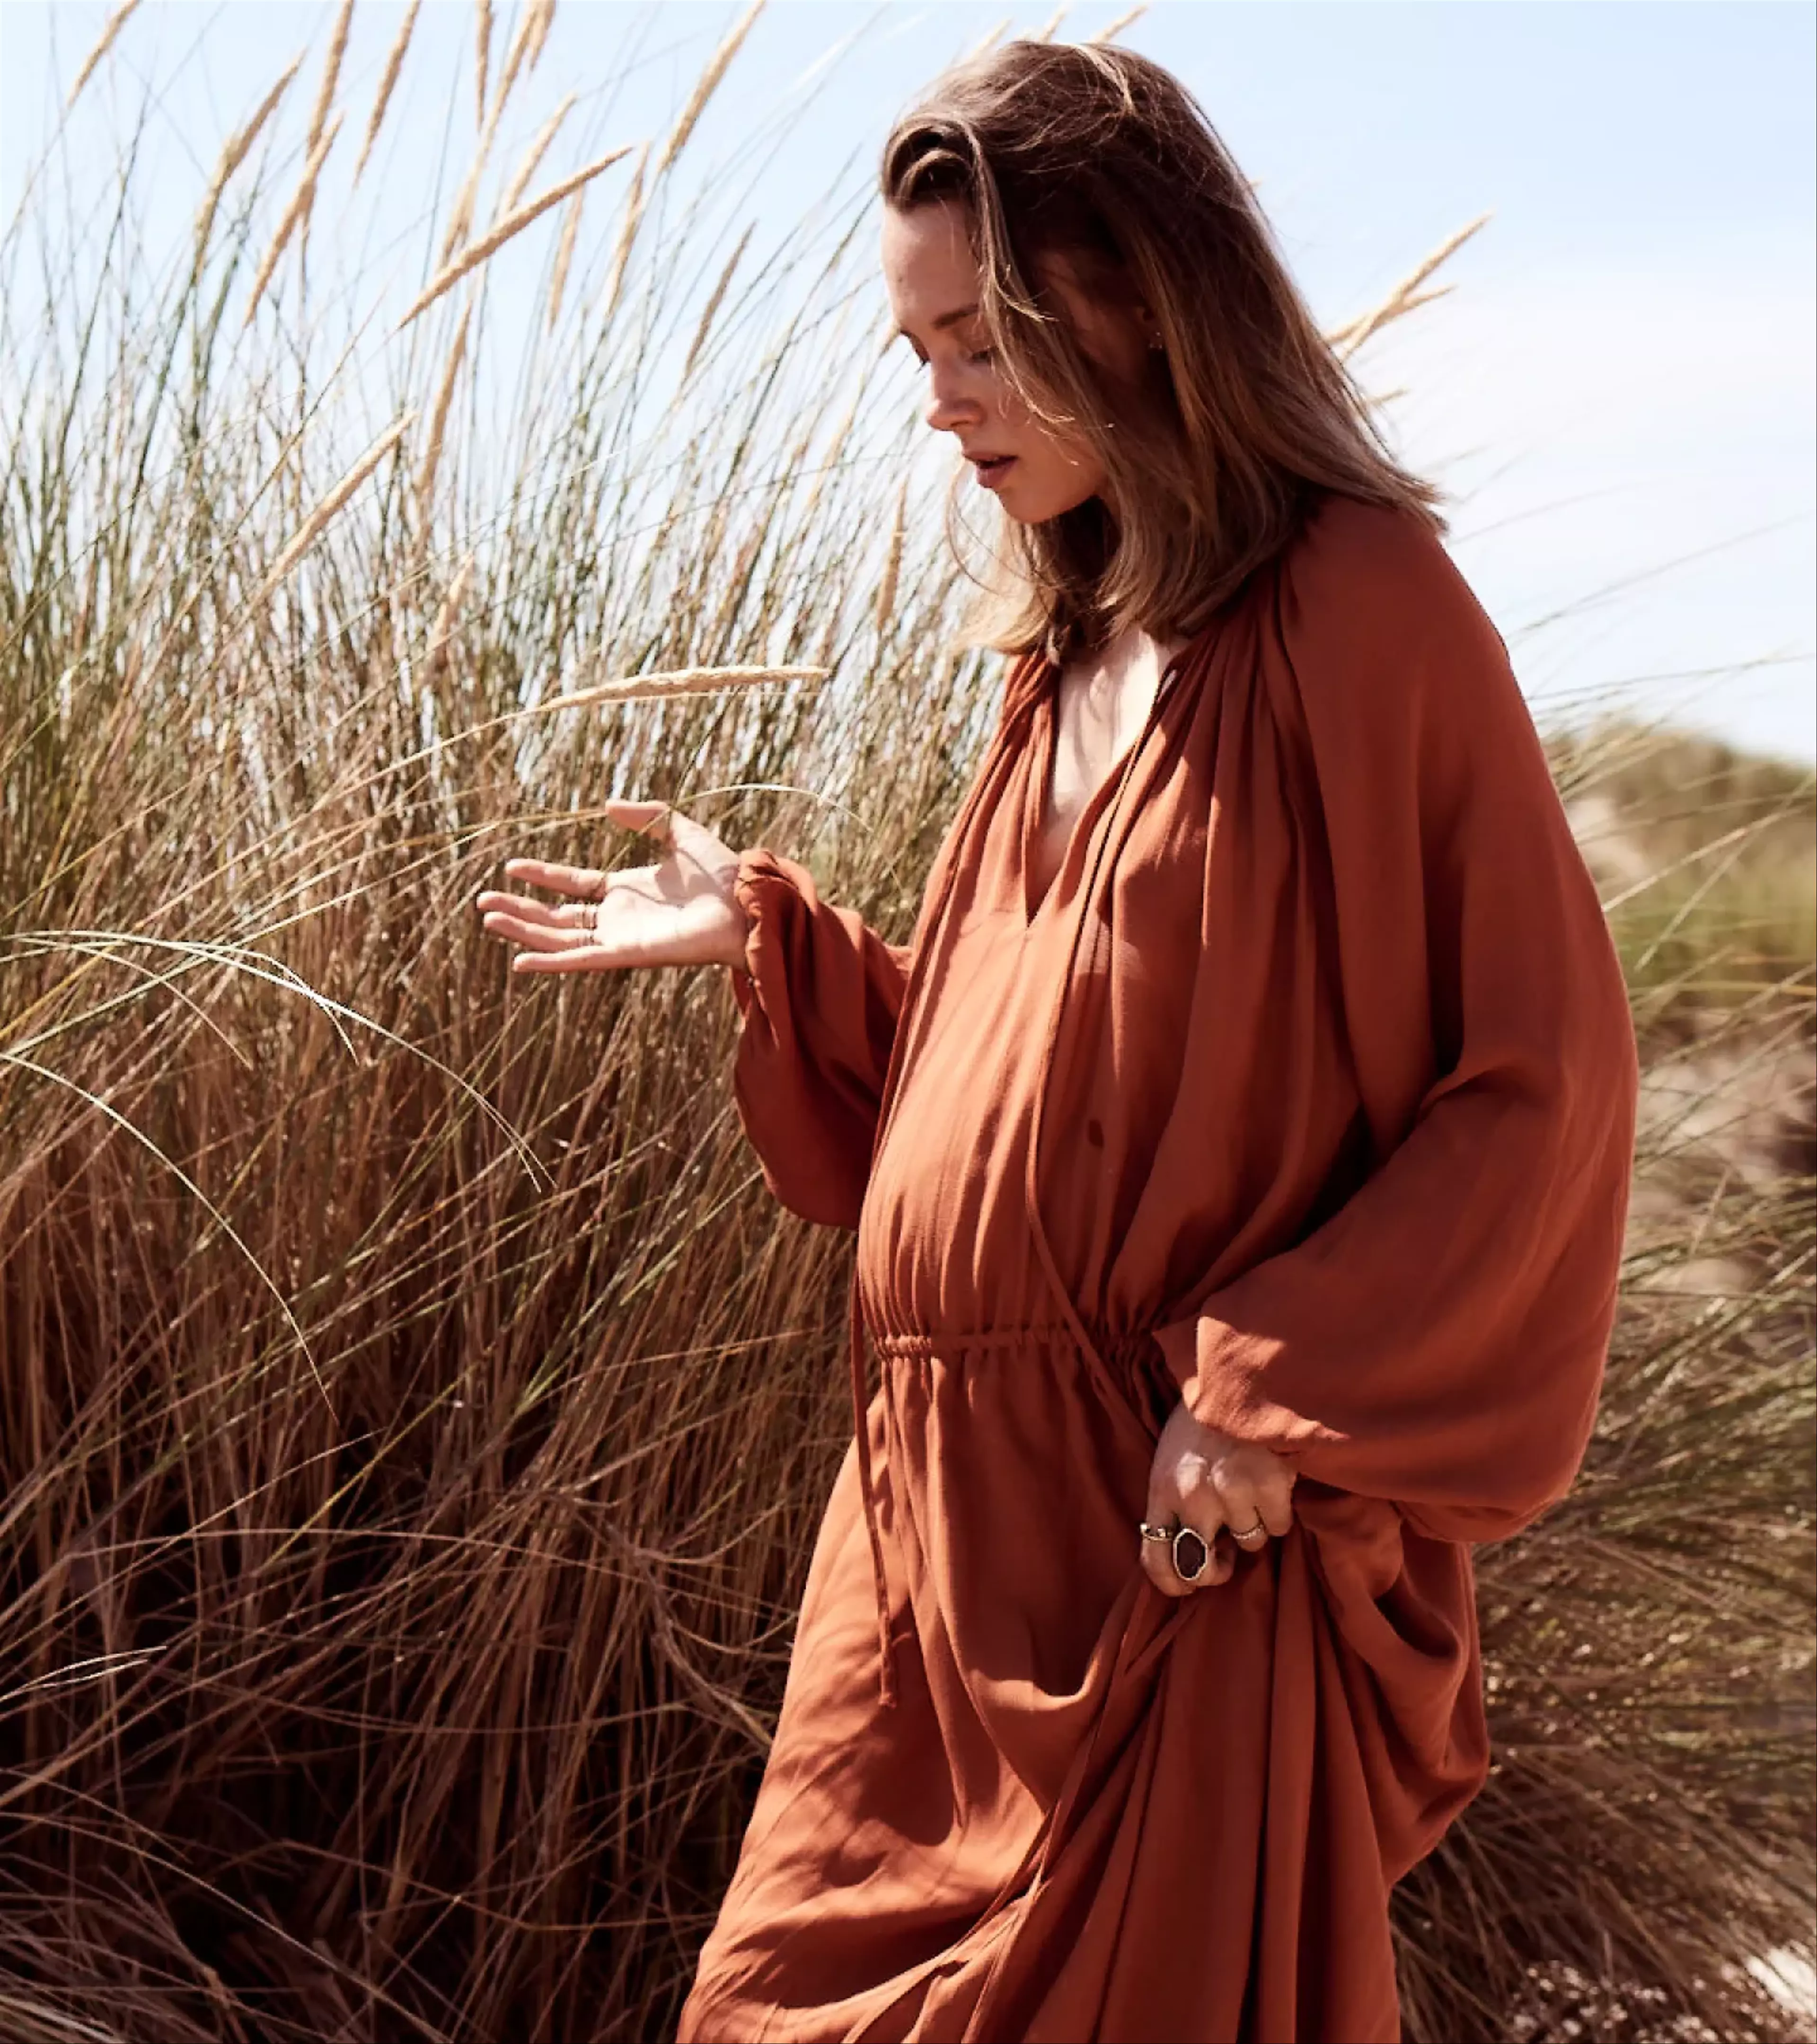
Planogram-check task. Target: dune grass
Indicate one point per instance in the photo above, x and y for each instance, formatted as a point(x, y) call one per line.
point(414, 1413)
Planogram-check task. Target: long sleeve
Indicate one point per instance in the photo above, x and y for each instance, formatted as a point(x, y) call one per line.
point(1439, 1340)
point(818, 1000)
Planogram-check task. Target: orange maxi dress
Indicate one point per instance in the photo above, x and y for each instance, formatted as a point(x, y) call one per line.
point(1307, 1090)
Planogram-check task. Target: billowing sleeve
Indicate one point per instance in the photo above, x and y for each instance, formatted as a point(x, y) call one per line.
point(1439, 1340)
point(818, 998)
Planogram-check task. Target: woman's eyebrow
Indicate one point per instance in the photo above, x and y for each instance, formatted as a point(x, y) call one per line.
point(940, 325)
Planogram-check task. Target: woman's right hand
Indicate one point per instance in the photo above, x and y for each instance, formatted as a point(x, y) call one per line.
point(681, 911)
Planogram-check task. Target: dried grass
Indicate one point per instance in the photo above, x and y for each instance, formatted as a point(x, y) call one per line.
point(482, 56)
point(331, 75)
point(302, 200)
point(238, 146)
point(103, 43)
point(387, 83)
point(495, 238)
point(533, 155)
point(564, 255)
point(707, 85)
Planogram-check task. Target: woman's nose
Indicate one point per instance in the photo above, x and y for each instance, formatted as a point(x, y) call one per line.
point(948, 407)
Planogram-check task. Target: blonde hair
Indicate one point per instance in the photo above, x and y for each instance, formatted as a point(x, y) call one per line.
point(1101, 158)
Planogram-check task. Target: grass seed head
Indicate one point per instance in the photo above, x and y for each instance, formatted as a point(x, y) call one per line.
point(331, 75)
point(387, 80)
point(707, 85)
point(104, 42)
point(239, 144)
point(495, 238)
point(297, 210)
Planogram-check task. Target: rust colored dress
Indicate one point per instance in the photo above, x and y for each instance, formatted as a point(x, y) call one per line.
point(1307, 1088)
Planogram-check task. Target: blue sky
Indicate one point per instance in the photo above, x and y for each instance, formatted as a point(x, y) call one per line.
point(1619, 386)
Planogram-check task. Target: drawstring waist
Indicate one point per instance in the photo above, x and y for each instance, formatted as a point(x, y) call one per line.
point(1119, 1361)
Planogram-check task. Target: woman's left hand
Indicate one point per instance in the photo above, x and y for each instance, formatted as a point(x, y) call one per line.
point(1208, 1481)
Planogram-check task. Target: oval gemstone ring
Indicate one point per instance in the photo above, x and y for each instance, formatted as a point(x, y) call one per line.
point(1192, 1557)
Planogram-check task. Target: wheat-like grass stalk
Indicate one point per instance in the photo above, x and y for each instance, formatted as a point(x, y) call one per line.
point(495, 238)
point(541, 16)
point(710, 311)
point(519, 48)
point(564, 255)
point(444, 404)
point(1405, 295)
point(442, 630)
point(460, 218)
point(482, 56)
point(534, 155)
point(302, 200)
point(238, 144)
point(707, 85)
point(104, 42)
point(664, 686)
point(659, 687)
point(988, 40)
point(387, 82)
point(892, 562)
point(627, 234)
point(1051, 27)
point(310, 530)
point(331, 75)
point(1112, 30)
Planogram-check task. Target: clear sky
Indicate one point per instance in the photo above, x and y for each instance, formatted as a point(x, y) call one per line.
point(1619, 386)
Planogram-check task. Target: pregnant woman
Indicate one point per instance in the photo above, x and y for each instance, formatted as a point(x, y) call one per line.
point(1238, 1153)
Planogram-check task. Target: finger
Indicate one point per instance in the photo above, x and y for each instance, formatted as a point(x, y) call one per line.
point(537, 935)
point(594, 958)
point(1157, 1556)
point(586, 881)
point(556, 916)
point(1274, 1503)
point(1201, 1508)
point(1158, 1565)
point(1167, 1508)
point(1265, 1505)
point(653, 817)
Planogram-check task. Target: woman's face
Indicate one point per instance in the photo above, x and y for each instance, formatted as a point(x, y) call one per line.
point(1035, 471)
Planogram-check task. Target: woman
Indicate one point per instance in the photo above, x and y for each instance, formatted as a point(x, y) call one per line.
point(1237, 1154)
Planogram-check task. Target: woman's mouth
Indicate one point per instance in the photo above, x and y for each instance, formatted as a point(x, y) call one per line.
point(992, 468)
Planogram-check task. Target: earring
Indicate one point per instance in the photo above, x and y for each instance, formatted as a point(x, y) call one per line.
point(1156, 345)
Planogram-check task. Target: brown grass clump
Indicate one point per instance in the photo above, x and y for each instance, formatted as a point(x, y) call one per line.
point(414, 1413)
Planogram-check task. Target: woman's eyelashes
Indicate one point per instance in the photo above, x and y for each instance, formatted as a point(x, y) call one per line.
point(979, 357)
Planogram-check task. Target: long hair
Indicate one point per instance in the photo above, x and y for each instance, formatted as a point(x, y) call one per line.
point(1213, 455)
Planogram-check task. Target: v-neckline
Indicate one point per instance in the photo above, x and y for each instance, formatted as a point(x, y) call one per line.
point(1046, 751)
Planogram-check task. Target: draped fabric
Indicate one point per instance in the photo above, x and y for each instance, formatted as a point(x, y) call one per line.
point(1306, 1091)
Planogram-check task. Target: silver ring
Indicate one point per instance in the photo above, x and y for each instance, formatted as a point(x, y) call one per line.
point(1160, 1534)
point(1249, 1532)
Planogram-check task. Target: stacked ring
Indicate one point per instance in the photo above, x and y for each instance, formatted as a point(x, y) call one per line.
point(1192, 1551)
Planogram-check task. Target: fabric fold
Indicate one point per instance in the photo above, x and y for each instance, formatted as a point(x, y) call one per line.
point(1438, 1340)
point(818, 998)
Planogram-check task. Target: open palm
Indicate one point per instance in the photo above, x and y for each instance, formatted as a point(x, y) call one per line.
point(681, 911)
